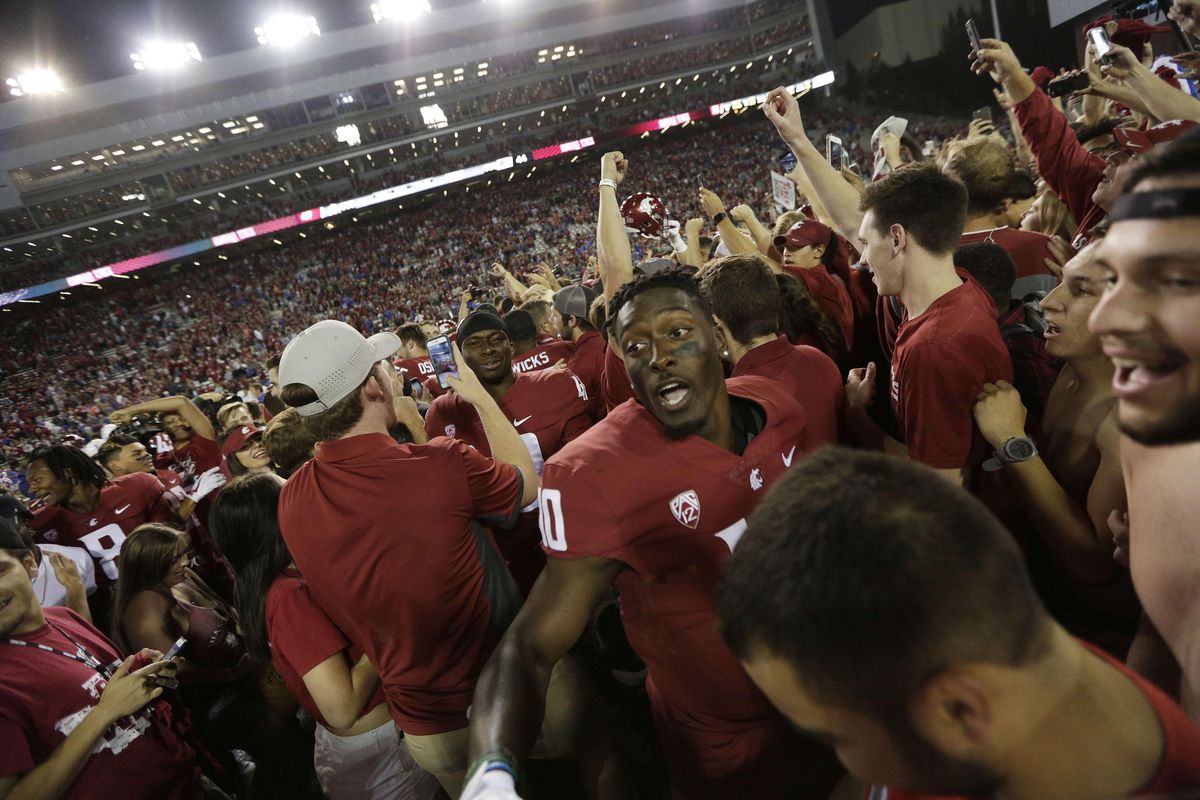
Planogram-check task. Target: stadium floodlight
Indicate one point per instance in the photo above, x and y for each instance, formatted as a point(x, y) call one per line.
point(287, 30)
point(164, 55)
point(35, 81)
point(349, 134)
point(403, 10)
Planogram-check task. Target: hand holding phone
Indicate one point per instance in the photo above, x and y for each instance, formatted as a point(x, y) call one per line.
point(1098, 37)
point(1067, 84)
point(834, 151)
point(973, 36)
point(441, 354)
point(174, 649)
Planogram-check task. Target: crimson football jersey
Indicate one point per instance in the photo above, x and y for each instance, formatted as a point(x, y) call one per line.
point(543, 356)
point(549, 409)
point(44, 696)
point(415, 369)
point(197, 456)
point(672, 510)
point(587, 362)
point(125, 503)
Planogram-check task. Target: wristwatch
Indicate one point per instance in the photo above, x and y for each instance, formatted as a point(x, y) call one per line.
point(719, 217)
point(1014, 450)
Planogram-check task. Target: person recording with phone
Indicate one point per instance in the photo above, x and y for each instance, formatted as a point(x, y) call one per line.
point(547, 407)
point(429, 634)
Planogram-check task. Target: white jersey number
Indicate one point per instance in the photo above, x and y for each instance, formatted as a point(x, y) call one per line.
point(105, 545)
point(551, 520)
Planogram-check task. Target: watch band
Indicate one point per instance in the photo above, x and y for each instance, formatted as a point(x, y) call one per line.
point(1001, 459)
point(719, 217)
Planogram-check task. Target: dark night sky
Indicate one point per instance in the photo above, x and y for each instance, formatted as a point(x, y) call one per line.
point(90, 40)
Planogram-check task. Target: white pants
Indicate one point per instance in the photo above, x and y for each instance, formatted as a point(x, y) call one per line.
point(375, 765)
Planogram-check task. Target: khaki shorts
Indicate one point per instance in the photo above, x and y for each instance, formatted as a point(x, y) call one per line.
point(445, 755)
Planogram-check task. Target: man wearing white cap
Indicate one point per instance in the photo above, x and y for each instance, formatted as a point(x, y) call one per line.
point(427, 601)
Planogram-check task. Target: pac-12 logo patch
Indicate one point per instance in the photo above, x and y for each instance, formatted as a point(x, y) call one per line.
point(686, 508)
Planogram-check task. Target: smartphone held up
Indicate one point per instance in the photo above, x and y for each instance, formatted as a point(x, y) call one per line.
point(441, 355)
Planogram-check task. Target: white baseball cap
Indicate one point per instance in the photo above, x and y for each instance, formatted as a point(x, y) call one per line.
point(333, 360)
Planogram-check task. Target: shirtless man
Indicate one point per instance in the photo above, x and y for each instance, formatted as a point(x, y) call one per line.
point(1147, 324)
point(1070, 487)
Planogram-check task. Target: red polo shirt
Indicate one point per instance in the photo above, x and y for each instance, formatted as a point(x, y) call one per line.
point(387, 538)
point(587, 362)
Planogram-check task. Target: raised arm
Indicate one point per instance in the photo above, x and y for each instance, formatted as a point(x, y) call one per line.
point(510, 695)
point(828, 186)
point(614, 258)
point(761, 233)
point(1160, 99)
point(503, 439)
point(182, 406)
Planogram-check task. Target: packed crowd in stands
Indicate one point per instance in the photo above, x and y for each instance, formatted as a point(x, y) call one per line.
point(428, 157)
point(477, 105)
point(628, 462)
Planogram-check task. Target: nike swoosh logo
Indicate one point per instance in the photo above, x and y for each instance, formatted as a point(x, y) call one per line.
point(787, 460)
point(122, 508)
point(519, 422)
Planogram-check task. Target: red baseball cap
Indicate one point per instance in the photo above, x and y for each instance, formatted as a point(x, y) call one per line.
point(803, 234)
point(1134, 141)
point(237, 440)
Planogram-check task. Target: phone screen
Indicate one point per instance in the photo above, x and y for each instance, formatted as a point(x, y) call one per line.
point(442, 356)
point(973, 35)
point(174, 649)
point(834, 151)
point(787, 162)
point(1100, 43)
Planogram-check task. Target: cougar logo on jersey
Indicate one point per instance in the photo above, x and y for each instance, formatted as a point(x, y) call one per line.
point(756, 480)
point(686, 508)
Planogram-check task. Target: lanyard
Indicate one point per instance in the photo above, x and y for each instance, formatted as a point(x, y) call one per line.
point(82, 654)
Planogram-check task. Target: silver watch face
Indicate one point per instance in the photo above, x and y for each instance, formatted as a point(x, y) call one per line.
point(1019, 450)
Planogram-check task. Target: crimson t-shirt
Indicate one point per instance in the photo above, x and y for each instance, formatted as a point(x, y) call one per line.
point(302, 638)
point(543, 356)
point(615, 384)
point(45, 696)
point(831, 295)
point(806, 374)
point(1028, 250)
point(124, 503)
point(942, 360)
point(388, 540)
point(1179, 765)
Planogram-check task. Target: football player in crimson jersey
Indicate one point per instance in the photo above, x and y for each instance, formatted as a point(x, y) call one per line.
point(654, 499)
point(414, 360)
point(886, 611)
point(81, 507)
point(548, 408)
point(191, 432)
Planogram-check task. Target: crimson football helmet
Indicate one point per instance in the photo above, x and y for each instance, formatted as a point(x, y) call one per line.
point(645, 214)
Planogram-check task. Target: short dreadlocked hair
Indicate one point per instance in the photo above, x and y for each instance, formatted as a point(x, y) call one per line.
point(682, 278)
point(69, 464)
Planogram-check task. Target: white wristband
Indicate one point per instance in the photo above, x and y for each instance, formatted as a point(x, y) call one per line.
point(608, 182)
